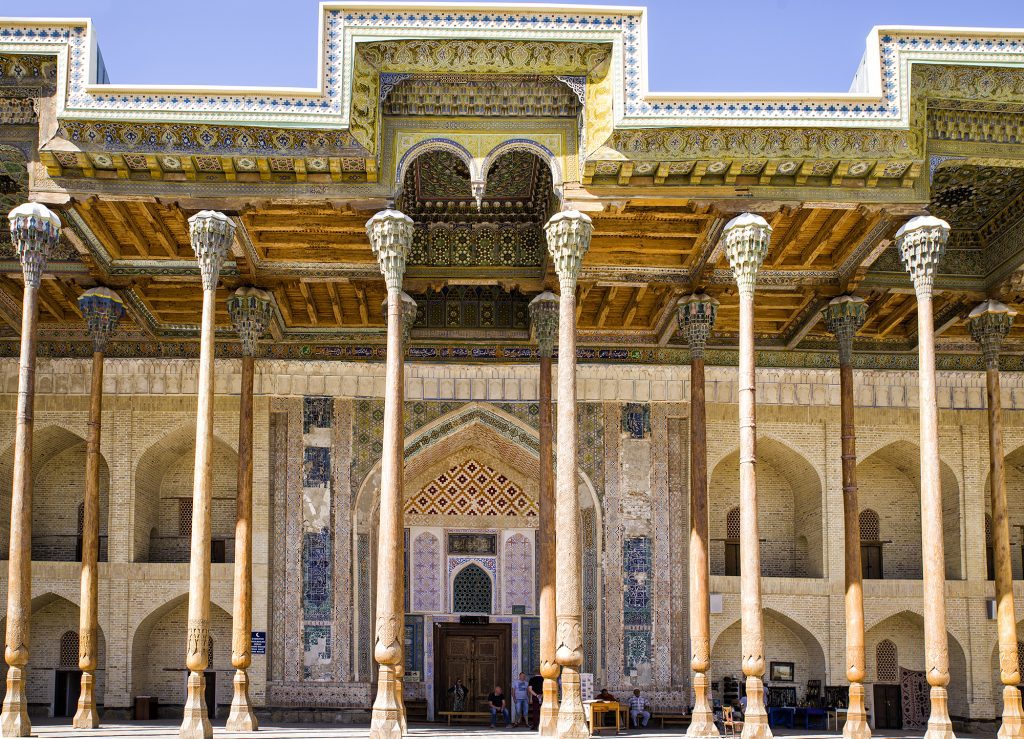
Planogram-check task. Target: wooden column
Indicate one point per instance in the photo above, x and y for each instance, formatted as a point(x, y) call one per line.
point(35, 231)
point(544, 317)
point(989, 323)
point(102, 309)
point(696, 317)
point(843, 316)
point(746, 240)
point(251, 311)
point(921, 242)
point(390, 234)
point(211, 234)
point(568, 236)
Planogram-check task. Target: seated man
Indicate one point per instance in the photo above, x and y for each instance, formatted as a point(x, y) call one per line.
point(496, 701)
point(639, 709)
point(604, 695)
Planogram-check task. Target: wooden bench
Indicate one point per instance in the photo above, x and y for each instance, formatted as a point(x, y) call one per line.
point(671, 719)
point(469, 716)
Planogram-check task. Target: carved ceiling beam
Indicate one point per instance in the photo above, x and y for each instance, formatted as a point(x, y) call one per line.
point(307, 296)
point(634, 302)
point(820, 239)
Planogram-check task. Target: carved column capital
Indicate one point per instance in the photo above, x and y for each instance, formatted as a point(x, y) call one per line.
point(35, 231)
point(390, 233)
point(696, 315)
point(211, 234)
point(843, 316)
point(544, 319)
point(921, 242)
point(989, 323)
point(568, 236)
point(102, 309)
point(251, 311)
point(746, 240)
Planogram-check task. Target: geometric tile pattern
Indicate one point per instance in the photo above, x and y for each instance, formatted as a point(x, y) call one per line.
point(317, 538)
point(471, 489)
point(530, 636)
point(518, 573)
point(426, 574)
point(472, 591)
point(636, 420)
point(591, 579)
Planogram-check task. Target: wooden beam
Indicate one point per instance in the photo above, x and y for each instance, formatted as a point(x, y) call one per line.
point(164, 236)
point(791, 233)
point(70, 294)
point(281, 296)
point(632, 305)
point(310, 307)
point(99, 227)
point(364, 308)
point(897, 317)
point(583, 289)
point(332, 293)
point(47, 301)
point(140, 241)
point(606, 304)
point(819, 240)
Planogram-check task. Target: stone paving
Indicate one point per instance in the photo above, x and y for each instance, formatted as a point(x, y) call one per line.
point(169, 730)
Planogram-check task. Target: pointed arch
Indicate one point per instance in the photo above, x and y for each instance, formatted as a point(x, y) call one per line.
point(449, 146)
point(528, 145)
point(472, 590)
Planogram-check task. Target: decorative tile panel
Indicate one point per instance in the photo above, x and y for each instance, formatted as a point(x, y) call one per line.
point(316, 642)
point(530, 636)
point(317, 537)
point(413, 644)
point(518, 573)
point(636, 601)
point(471, 489)
point(426, 577)
point(636, 420)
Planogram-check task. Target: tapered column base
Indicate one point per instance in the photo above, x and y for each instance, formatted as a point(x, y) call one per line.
point(547, 722)
point(1013, 716)
point(385, 720)
point(241, 717)
point(195, 723)
point(572, 721)
point(939, 724)
point(14, 717)
point(755, 718)
point(702, 720)
point(87, 717)
point(400, 692)
point(856, 726)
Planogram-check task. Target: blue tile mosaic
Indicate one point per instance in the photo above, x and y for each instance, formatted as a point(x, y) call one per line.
point(636, 420)
point(317, 590)
point(414, 644)
point(530, 637)
point(636, 649)
point(316, 467)
point(316, 645)
point(317, 413)
point(636, 594)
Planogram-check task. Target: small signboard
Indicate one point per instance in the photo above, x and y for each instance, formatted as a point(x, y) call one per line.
point(258, 644)
point(587, 685)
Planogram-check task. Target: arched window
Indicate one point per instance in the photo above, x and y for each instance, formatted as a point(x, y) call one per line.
point(472, 591)
point(886, 662)
point(69, 650)
point(870, 545)
point(732, 542)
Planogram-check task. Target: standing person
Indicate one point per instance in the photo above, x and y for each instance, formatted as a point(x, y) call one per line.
point(520, 699)
point(638, 709)
point(498, 704)
point(536, 691)
point(457, 695)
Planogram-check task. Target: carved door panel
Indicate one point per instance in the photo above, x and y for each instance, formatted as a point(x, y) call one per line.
point(478, 654)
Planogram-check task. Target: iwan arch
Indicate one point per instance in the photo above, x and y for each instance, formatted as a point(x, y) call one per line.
point(278, 439)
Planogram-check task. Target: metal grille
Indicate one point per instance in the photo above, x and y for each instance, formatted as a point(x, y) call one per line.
point(472, 591)
point(988, 529)
point(886, 662)
point(184, 517)
point(81, 518)
point(870, 527)
point(732, 524)
point(69, 650)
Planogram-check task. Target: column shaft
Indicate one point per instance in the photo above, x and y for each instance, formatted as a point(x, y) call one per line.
point(14, 720)
point(755, 718)
point(932, 549)
point(569, 599)
point(702, 723)
point(1006, 621)
point(196, 721)
point(242, 717)
point(856, 726)
point(547, 570)
point(386, 718)
point(87, 717)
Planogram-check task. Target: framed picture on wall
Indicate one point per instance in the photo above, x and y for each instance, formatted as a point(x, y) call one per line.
point(781, 672)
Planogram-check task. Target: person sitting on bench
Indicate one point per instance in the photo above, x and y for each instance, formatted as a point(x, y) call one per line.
point(638, 709)
point(497, 703)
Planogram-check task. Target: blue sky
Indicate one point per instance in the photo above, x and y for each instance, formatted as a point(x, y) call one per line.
point(718, 46)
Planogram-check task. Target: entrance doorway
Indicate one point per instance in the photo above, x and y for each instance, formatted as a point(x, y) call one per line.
point(66, 689)
point(478, 654)
point(888, 707)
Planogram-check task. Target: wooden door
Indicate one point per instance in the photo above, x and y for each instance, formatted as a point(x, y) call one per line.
point(871, 561)
point(67, 688)
point(888, 707)
point(732, 558)
point(478, 654)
